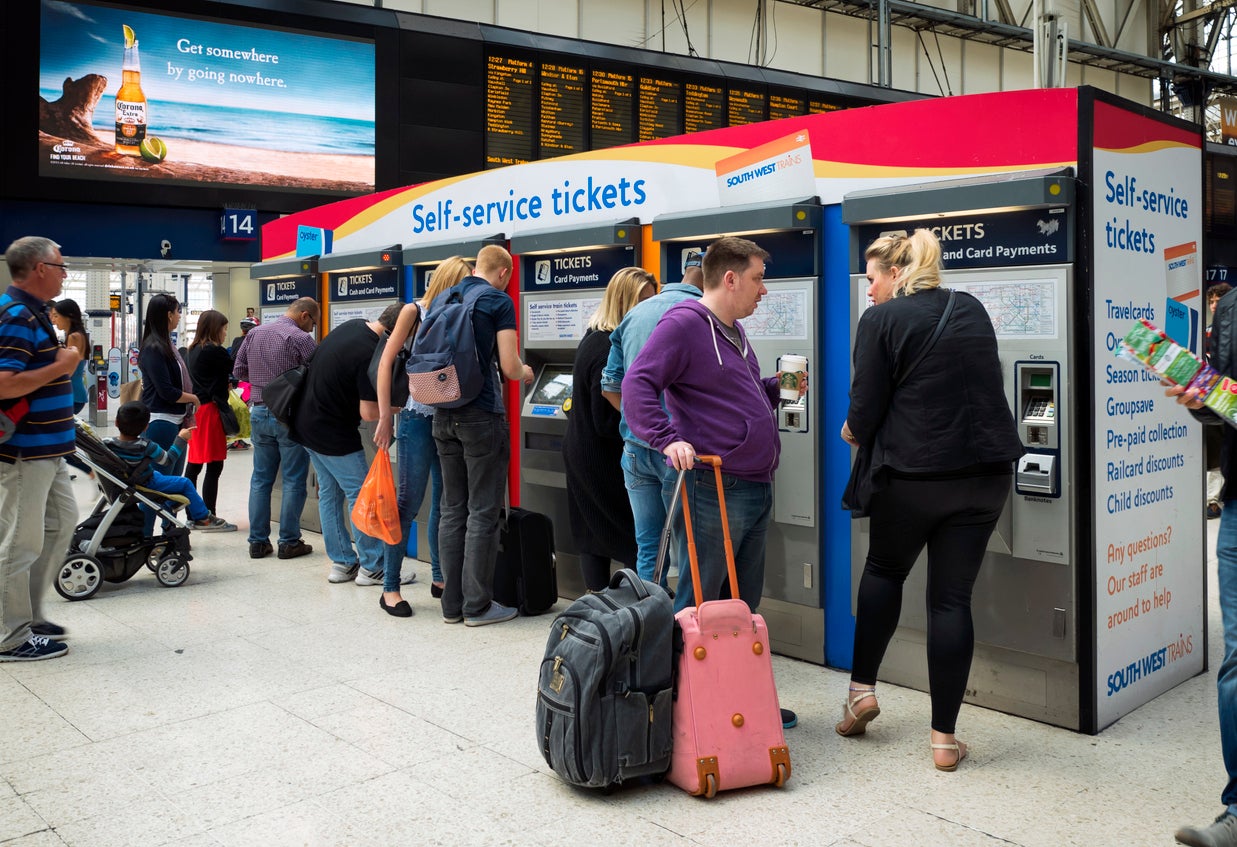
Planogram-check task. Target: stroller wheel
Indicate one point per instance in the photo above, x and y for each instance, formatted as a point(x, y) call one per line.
point(172, 571)
point(156, 553)
point(79, 578)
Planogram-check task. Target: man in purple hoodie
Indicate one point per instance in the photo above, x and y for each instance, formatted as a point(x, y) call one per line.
point(700, 358)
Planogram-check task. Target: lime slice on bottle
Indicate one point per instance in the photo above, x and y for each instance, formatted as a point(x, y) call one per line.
point(130, 37)
point(153, 149)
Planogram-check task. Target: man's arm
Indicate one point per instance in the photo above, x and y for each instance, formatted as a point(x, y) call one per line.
point(23, 383)
point(240, 367)
point(509, 357)
point(612, 374)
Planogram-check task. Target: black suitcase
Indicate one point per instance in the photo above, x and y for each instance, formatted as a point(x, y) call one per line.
point(525, 575)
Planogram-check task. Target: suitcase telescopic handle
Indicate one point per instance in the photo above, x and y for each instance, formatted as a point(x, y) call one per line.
point(716, 462)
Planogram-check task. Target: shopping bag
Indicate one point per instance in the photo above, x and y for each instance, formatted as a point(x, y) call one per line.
point(237, 404)
point(376, 512)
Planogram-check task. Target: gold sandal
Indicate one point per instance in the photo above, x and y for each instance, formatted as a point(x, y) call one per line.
point(958, 747)
point(858, 721)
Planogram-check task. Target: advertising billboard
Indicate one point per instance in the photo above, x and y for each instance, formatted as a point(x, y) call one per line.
point(128, 95)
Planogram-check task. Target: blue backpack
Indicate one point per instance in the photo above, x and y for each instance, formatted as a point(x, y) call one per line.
point(445, 369)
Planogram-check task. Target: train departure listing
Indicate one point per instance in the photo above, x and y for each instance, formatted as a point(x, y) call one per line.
point(612, 115)
point(509, 125)
point(563, 112)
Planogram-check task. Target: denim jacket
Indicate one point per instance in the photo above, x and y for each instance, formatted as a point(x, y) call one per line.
point(630, 335)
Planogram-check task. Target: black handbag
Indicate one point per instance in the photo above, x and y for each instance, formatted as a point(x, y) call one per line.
point(857, 496)
point(282, 394)
point(227, 417)
point(399, 374)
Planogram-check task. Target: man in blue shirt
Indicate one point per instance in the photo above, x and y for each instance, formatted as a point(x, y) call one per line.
point(36, 496)
point(473, 449)
point(650, 481)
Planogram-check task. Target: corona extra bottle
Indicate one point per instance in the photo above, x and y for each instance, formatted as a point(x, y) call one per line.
point(130, 101)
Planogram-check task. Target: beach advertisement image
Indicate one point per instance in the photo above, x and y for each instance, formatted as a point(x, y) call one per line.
point(132, 95)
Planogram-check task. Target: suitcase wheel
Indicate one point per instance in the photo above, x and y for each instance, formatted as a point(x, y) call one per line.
point(782, 775)
point(710, 786)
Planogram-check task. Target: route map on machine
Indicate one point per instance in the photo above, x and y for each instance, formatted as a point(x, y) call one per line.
point(781, 314)
point(1022, 308)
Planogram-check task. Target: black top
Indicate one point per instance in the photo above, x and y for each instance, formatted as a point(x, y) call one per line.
point(161, 382)
point(210, 368)
point(1222, 355)
point(601, 521)
point(951, 412)
point(329, 412)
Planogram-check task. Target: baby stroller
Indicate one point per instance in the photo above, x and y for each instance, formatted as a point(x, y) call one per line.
point(111, 544)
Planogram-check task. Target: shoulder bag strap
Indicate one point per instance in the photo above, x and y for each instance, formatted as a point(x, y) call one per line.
point(936, 334)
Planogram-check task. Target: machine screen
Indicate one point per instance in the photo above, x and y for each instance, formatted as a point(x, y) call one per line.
point(553, 386)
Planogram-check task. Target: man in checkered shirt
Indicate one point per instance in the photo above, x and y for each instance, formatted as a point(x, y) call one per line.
point(268, 350)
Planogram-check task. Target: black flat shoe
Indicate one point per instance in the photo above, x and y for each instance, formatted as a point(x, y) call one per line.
point(399, 610)
point(435, 590)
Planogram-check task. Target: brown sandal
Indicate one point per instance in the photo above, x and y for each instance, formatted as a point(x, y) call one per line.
point(858, 721)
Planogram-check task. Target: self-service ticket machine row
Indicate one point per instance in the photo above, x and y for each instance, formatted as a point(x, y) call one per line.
point(565, 273)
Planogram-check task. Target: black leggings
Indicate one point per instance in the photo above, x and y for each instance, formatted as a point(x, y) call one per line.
point(953, 519)
point(210, 485)
point(596, 571)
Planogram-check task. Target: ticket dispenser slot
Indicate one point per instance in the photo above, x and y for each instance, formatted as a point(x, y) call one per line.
point(1038, 472)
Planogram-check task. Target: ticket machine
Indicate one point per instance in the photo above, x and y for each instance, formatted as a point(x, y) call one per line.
point(785, 322)
point(564, 273)
point(363, 283)
point(1012, 242)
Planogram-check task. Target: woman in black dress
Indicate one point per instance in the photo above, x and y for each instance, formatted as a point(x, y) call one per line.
point(601, 521)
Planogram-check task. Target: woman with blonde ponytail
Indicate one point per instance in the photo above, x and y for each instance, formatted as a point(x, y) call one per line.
point(937, 443)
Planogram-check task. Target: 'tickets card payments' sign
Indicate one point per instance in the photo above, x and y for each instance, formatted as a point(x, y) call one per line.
point(1028, 237)
point(374, 284)
point(281, 292)
point(577, 269)
point(1148, 462)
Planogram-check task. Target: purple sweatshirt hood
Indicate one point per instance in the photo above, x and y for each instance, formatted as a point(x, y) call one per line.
point(714, 393)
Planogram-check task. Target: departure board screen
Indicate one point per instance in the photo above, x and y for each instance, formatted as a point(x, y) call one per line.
point(612, 115)
point(786, 106)
point(563, 115)
point(815, 107)
point(704, 107)
point(746, 106)
point(509, 124)
point(659, 111)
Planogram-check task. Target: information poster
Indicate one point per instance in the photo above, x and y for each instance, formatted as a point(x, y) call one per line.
point(1148, 457)
point(559, 318)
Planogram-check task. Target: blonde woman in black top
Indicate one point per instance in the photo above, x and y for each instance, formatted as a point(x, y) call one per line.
point(941, 440)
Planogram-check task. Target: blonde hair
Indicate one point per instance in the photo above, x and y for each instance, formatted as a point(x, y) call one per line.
point(918, 255)
point(447, 274)
point(622, 293)
point(491, 258)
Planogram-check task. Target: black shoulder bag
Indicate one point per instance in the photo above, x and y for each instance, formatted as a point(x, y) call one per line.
point(861, 486)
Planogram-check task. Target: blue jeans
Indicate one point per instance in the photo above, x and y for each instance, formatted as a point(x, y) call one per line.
point(650, 486)
point(418, 462)
point(274, 450)
point(473, 449)
point(164, 434)
point(748, 508)
point(339, 482)
point(1226, 677)
point(181, 486)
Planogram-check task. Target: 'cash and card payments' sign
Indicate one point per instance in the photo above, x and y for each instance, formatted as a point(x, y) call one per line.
point(1029, 237)
point(575, 269)
point(372, 284)
point(281, 292)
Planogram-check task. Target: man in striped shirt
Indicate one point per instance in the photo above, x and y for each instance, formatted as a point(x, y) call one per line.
point(267, 351)
point(37, 508)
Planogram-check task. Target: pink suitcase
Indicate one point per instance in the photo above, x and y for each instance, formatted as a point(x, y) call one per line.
point(726, 721)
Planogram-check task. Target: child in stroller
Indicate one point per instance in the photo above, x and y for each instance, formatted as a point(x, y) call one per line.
point(111, 544)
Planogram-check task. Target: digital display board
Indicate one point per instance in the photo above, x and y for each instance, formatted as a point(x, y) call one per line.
point(746, 106)
point(786, 106)
point(563, 104)
point(129, 95)
point(704, 107)
point(659, 111)
point(611, 112)
point(509, 110)
point(816, 107)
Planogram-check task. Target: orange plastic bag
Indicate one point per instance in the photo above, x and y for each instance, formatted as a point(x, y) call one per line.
point(376, 512)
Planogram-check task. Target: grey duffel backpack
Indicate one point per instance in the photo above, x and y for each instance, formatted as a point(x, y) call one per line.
point(605, 689)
